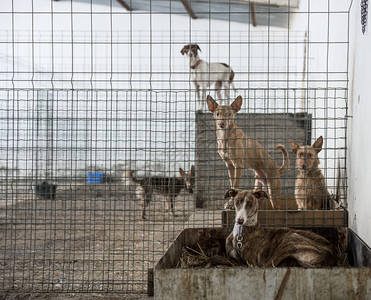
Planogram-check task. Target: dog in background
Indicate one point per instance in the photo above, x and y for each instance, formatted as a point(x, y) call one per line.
point(272, 247)
point(240, 152)
point(205, 74)
point(310, 185)
point(169, 187)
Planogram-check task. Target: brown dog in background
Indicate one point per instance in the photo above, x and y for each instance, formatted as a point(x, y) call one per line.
point(240, 152)
point(272, 247)
point(310, 185)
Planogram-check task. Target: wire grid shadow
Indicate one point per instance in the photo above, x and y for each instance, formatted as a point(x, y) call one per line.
point(81, 105)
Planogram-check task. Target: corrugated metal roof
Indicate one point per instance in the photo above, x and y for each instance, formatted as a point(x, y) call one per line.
point(259, 12)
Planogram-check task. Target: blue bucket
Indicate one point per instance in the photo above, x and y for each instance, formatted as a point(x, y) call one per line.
point(95, 177)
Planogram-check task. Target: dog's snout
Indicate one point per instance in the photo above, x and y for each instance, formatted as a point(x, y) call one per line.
point(221, 124)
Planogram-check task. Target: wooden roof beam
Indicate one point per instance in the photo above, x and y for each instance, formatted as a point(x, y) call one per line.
point(124, 5)
point(253, 14)
point(188, 9)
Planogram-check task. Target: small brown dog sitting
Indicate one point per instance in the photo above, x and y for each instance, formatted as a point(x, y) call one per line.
point(310, 185)
point(239, 152)
point(266, 246)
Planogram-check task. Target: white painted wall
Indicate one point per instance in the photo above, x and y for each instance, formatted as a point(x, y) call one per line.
point(126, 53)
point(145, 54)
point(359, 135)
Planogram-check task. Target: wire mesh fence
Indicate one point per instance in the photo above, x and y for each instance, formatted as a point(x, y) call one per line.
point(95, 117)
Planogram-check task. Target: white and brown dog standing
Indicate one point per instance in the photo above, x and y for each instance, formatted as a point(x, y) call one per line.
point(240, 152)
point(205, 74)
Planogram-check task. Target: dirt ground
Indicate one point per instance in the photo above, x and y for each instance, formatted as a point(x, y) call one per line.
point(91, 238)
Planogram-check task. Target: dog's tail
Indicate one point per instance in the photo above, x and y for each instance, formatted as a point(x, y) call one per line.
point(285, 162)
point(129, 177)
point(231, 77)
point(339, 186)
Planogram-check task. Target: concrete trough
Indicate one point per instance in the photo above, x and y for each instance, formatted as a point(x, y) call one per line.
point(352, 282)
point(294, 218)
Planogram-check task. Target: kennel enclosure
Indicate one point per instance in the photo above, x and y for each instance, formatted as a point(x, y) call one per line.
point(101, 87)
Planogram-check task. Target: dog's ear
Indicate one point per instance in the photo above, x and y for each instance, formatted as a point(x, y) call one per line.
point(231, 193)
point(260, 194)
point(193, 171)
point(236, 104)
point(318, 144)
point(181, 171)
point(294, 146)
point(193, 48)
point(211, 103)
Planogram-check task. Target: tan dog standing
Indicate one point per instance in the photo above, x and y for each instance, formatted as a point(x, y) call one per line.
point(310, 185)
point(240, 152)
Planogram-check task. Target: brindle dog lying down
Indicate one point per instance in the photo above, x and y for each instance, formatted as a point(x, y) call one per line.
point(266, 246)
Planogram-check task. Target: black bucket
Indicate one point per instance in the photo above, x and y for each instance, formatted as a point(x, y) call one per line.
point(45, 190)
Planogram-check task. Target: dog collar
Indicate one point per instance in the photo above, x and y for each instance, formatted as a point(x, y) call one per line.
point(239, 239)
point(195, 65)
point(308, 172)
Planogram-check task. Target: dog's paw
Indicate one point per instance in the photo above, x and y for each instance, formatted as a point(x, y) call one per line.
point(233, 254)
